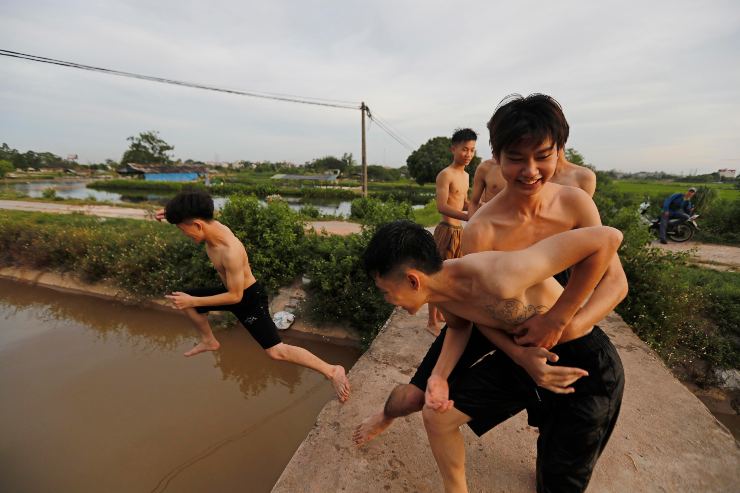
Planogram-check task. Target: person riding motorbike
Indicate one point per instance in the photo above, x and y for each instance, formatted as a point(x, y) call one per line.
point(677, 206)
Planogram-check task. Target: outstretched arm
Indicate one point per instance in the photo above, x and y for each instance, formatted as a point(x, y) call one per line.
point(534, 360)
point(478, 187)
point(544, 330)
point(456, 338)
point(591, 248)
point(234, 266)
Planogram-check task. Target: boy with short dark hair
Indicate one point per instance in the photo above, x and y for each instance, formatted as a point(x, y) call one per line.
point(452, 185)
point(192, 213)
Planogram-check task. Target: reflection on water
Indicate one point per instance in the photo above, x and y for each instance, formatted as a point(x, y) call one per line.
point(77, 189)
point(98, 397)
point(66, 189)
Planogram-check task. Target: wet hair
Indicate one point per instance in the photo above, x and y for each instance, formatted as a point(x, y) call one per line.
point(398, 244)
point(463, 135)
point(536, 117)
point(187, 205)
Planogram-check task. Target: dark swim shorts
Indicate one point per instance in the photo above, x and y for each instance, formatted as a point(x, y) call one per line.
point(252, 311)
point(574, 428)
point(477, 347)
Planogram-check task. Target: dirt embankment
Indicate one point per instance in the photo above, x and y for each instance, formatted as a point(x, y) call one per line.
point(717, 257)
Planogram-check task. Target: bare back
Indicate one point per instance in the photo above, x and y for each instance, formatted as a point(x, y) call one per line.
point(573, 175)
point(489, 176)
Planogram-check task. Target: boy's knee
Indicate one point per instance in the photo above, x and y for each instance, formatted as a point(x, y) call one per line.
point(276, 352)
point(404, 400)
point(437, 422)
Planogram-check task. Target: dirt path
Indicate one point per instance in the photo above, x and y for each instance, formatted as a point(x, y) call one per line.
point(330, 227)
point(717, 257)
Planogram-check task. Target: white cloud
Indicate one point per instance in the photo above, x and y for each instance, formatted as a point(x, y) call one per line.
point(645, 85)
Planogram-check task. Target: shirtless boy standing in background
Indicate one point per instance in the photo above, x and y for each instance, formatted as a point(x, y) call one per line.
point(452, 202)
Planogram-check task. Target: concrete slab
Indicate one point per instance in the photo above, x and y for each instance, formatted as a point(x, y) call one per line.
point(666, 439)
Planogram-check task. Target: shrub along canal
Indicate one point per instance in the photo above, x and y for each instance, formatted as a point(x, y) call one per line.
point(98, 397)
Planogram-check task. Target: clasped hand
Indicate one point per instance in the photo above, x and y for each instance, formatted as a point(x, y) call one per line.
point(437, 395)
point(181, 300)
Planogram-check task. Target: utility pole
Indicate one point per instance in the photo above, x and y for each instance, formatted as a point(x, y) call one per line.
point(363, 109)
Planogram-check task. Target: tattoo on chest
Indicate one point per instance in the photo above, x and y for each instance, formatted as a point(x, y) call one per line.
point(513, 311)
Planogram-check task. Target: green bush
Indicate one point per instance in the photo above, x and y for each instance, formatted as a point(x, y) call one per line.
point(339, 289)
point(665, 307)
point(371, 211)
point(49, 193)
point(722, 223)
point(145, 259)
point(427, 215)
point(310, 211)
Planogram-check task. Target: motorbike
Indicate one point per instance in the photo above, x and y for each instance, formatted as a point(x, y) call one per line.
point(677, 230)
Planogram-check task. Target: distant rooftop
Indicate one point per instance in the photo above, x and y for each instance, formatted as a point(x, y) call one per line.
point(330, 177)
point(134, 168)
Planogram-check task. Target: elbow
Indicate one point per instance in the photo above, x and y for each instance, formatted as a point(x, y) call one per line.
point(236, 298)
point(614, 238)
point(622, 291)
point(620, 286)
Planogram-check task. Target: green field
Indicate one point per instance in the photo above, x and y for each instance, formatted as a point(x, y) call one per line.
point(658, 189)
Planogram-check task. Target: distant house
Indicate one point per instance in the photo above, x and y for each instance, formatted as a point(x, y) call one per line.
point(727, 173)
point(163, 172)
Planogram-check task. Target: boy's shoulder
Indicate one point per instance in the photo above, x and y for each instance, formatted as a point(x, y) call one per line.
point(485, 166)
point(575, 203)
point(566, 192)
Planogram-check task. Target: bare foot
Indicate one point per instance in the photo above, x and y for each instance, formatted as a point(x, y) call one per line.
point(433, 328)
point(340, 382)
point(370, 428)
point(202, 347)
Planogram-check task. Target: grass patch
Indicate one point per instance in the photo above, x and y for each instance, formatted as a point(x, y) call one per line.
point(656, 190)
point(427, 215)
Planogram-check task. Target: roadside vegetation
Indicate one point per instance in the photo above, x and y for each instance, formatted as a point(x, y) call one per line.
point(680, 311)
point(687, 314)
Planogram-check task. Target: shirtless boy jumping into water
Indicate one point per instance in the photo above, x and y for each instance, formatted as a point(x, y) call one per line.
point(452, 185)
point(192, 213)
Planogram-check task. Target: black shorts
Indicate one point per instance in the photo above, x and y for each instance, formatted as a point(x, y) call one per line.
point(563, 277)
point(253, 312)
point(574, 428)
point(477, 347)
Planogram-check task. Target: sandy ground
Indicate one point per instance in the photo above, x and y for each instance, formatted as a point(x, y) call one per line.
point(666, 440)
point(718, 257)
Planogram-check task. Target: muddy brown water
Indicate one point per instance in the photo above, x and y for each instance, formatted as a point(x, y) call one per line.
point(96, 396)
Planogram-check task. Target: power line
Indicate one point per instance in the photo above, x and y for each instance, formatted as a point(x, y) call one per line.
point(387, 129)
point(385, 124)
point(333, 103)
point(256, 94)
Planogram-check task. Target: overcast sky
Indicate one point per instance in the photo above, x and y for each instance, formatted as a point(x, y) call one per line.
point(648, 85)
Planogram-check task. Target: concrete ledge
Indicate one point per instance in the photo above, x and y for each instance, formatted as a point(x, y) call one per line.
point(69, 283)
point(666, 440)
